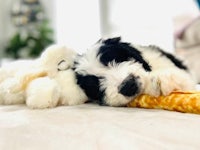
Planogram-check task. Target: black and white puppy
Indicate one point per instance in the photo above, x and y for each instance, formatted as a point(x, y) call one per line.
point(114, 72)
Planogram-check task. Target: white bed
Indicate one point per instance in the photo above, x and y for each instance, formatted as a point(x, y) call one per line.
point(93, 127)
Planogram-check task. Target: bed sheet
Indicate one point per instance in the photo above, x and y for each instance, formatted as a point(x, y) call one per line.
point(93, 127)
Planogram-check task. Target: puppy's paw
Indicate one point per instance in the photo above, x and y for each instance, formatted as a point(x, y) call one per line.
point(166, 84)
point(151, 85)
point(42, 93)
point(159, 83)
point(172, 80)
point(166, 88)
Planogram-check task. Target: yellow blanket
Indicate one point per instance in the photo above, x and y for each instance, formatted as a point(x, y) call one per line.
point(187, 102)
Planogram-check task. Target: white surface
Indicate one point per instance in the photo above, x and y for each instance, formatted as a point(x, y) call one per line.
point(198, 87)
point(146, 22)
point(77, 23)
point(91, 127)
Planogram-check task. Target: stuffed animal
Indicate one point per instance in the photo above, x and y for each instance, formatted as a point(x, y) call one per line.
point(45, 82)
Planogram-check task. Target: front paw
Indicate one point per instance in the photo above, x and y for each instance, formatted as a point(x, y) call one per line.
point(162, 84)
point(152, 86)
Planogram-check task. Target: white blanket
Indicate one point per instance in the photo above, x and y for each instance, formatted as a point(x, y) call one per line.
point(93, 127)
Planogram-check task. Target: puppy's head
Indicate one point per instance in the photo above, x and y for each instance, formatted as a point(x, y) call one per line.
point(122, 82)
point(118, 68)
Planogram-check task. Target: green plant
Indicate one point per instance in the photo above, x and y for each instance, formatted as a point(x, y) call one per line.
point(32, 44)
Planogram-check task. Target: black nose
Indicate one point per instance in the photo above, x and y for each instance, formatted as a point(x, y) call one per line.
point(130, 86)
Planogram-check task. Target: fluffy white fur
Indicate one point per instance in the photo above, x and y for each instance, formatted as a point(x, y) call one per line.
point(42, 83)
point(164, 78)
point(43, 93)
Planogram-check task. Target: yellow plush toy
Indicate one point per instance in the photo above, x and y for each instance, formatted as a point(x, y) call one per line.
point(187, 102)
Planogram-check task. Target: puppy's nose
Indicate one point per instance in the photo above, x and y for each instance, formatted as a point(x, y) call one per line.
point(130, 86)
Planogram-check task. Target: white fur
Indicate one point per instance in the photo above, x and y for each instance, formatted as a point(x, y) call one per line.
point(89, 63)
point(114, 76)
point(10, 92)
point(42, 93)
point(71, 93)
point(53, 55)
point(48, 92)
point(12, 68)
point(42, 83)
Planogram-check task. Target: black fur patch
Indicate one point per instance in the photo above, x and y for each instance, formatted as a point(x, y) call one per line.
point(114, 50)
point(101, 100)
point(130, 86)
point(90, 85)
point(171, 57)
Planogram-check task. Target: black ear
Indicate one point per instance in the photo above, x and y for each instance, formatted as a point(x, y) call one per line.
point(115, 50)
point(114, 40)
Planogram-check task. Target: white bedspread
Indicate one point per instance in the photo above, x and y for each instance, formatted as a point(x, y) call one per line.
point(93, 127)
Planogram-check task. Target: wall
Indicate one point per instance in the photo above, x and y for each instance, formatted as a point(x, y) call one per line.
point(143, 22)
point(6, 27)
point(77, 23)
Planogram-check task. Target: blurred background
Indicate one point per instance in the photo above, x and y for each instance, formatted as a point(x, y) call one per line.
point(28, 26)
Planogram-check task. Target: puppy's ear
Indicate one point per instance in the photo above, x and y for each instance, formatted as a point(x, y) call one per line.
point(114, 40)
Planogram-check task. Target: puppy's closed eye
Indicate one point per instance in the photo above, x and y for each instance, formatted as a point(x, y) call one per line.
point(63, 65)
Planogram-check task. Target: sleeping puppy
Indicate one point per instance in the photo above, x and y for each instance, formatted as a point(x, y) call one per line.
point(113, 72)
